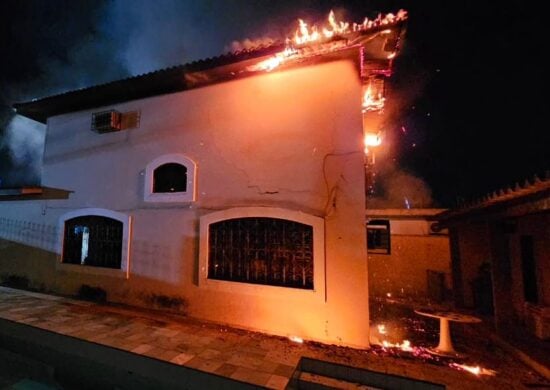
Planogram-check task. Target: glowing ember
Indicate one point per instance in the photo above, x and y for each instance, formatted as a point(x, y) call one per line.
point(476, 370)
point(388, 295)
point(296, 339)
point(382, 329)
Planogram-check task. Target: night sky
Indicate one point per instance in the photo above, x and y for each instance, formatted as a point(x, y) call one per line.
point(466, 111)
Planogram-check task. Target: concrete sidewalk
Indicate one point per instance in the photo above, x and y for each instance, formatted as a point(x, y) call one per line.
point(250, 357)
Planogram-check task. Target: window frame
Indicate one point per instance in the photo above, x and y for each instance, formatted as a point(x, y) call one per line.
point(126, 221)
point(189, 195)
point(318, 225)
point(379, 222)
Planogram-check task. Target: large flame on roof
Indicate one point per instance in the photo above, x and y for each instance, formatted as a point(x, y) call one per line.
point(305, 35)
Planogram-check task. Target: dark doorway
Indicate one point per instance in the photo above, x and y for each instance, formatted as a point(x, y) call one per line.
point(528, 267)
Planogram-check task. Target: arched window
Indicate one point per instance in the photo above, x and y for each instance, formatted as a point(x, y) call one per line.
point(93, 240)
point(261, 250)
point(96, 238)
point(170, 178)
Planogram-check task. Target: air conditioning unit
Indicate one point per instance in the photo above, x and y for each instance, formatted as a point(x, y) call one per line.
point(435, 228)
point(106, 121)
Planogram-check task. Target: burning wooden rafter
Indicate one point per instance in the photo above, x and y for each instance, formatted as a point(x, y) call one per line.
point(340, 34)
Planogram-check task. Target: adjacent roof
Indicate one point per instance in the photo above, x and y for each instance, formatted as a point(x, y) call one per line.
point(531, 197)
point(427, 214)
point(196, 74)
point(33, 193)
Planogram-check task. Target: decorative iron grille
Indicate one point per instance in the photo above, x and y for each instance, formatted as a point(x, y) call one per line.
point(94, 241)
point(261, 250)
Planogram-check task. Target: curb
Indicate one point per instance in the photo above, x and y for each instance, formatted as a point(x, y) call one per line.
point(535, 365)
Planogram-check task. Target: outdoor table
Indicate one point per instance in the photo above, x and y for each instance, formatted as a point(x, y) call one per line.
point(445, 346)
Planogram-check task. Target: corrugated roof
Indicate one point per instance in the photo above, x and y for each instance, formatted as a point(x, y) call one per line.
point(423, 213)
point(535, 188)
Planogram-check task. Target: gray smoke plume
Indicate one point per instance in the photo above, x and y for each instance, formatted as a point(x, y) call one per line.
point(24, 138)
point(400, 189)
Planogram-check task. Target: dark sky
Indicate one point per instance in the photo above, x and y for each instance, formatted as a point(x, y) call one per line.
point(466, 113)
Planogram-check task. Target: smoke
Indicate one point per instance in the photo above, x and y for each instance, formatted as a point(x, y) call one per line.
point(24, 141)
point(400, 189)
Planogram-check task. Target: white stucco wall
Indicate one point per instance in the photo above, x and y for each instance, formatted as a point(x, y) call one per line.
point(284, 139)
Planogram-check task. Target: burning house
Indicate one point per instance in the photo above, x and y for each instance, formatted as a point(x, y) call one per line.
point(231, 188)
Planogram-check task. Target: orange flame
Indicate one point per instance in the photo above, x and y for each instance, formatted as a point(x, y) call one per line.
point(404, 346)
point(305, 35)
point(373, 101)
point(476, 370)
point(273, 62)
point(372, 139)
point(382, 329)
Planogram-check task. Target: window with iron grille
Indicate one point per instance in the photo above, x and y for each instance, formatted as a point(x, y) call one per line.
point(170, 177)
point(93, 241)
point(378, 236)
point(261, 250)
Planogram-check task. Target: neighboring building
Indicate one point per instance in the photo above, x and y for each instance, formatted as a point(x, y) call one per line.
point(500, 248)
point(408, 254)
point(223, 188)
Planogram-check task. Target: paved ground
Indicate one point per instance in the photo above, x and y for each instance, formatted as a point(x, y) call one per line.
point(248, 356)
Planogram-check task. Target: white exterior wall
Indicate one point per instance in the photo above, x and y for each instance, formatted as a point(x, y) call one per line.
point(263, 141)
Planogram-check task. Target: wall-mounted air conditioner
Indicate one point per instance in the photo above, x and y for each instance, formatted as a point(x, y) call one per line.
point(106, 121)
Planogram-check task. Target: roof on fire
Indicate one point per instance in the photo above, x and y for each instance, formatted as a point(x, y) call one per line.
point(200, 73)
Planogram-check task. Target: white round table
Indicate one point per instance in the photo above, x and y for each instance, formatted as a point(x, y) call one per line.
point(445, 346)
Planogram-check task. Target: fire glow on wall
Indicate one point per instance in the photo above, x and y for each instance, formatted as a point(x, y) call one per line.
point(335, 35)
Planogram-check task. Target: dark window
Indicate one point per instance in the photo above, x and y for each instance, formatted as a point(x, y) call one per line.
point(378, 236)
point(93, 240)
point(259, 250)
point(170, 177)
point(528, 267)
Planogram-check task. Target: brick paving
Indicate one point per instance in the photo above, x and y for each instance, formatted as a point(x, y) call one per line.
point(252, 357)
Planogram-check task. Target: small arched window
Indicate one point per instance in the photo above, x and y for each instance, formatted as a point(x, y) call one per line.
point(170, 178)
